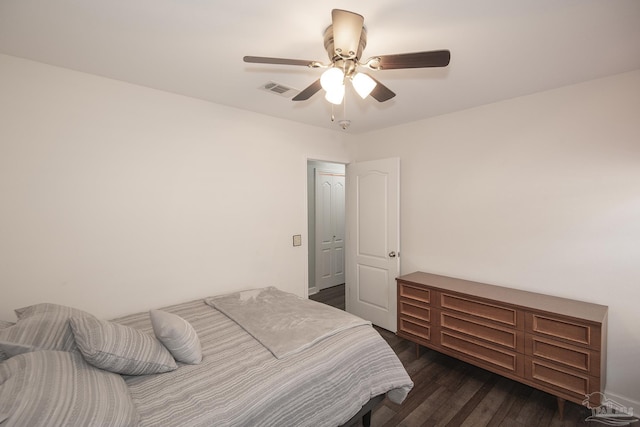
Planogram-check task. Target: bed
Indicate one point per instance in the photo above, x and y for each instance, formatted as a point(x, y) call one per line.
point(330, 379)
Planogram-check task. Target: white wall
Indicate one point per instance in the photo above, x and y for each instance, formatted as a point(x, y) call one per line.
point(540, 193)
point(117, 198)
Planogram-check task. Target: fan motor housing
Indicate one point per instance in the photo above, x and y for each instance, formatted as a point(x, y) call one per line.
point(330, 48)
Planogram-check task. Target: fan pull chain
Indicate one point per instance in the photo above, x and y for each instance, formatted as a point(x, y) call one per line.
point(344, 82)
point(344, 107)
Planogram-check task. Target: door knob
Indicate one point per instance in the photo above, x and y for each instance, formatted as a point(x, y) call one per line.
point(392, 254)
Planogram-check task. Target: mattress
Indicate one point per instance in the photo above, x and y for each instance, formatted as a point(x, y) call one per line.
point(240, 383)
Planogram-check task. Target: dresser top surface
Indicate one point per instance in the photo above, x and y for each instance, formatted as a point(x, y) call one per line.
point(567, 307)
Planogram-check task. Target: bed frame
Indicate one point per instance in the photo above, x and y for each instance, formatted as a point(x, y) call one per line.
point(365, 412)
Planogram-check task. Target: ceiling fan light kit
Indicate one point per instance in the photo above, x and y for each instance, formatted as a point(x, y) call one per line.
point(363, 84)
point(335, 95)
point(344, 41)
point(331, 79)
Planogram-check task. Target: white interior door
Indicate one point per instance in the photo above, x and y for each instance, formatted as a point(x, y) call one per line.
point(330, 218)
point(373, 240)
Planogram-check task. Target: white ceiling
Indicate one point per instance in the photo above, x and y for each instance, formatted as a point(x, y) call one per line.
point(500, 49)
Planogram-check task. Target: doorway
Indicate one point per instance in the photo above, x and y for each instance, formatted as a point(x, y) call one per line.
point(364, 233)
point(326, 224)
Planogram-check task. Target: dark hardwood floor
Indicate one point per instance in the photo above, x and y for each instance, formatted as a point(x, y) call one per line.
point(448, 392)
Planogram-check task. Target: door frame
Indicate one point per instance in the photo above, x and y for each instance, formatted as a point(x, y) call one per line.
point(307, 159)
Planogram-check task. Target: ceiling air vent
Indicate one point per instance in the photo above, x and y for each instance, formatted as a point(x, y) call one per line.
point(279, 89)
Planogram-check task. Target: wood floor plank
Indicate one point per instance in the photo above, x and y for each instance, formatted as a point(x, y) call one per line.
point(463, 414)
point(520, 396)
point(382, 415)
point(468, 388)
point(428, 406)
point(425, 384)
point(485, 410)
point(539, 405)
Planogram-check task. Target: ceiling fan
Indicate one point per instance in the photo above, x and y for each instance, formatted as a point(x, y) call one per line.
point(344, 40)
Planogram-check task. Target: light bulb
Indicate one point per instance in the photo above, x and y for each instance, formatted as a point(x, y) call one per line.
point(363, 84)
point(335, 95)
point(331, 79)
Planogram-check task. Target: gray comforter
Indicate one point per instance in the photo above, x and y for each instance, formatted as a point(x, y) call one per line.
point(241, 383)
point(284, 323)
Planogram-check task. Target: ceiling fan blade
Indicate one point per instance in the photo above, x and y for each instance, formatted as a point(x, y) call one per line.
point(381, 93)
point(347, 29)
point(308, 92)
point(280, 61)
point(434, 58)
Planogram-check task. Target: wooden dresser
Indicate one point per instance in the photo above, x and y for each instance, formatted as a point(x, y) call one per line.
point(554, 344)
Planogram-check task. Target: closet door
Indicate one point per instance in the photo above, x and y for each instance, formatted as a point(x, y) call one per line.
point(330, 218)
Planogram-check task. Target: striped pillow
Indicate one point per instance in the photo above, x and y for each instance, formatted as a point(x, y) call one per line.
point(57, 388)
point(9, 349)
point(120, 349)
point(3, 352)
point(177, 335)
point(39, 327)
point(5, 324)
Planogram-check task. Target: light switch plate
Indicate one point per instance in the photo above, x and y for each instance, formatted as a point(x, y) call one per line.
point(297, 240)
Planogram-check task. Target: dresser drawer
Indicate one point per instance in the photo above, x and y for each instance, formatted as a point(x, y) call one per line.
point(414, 292)
point(414, 329)
point(580, 358)
point(415, 309)
point(485, 331)
point(556, 327)
point(494, 312)
point(486, 355)
point(575, 384)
